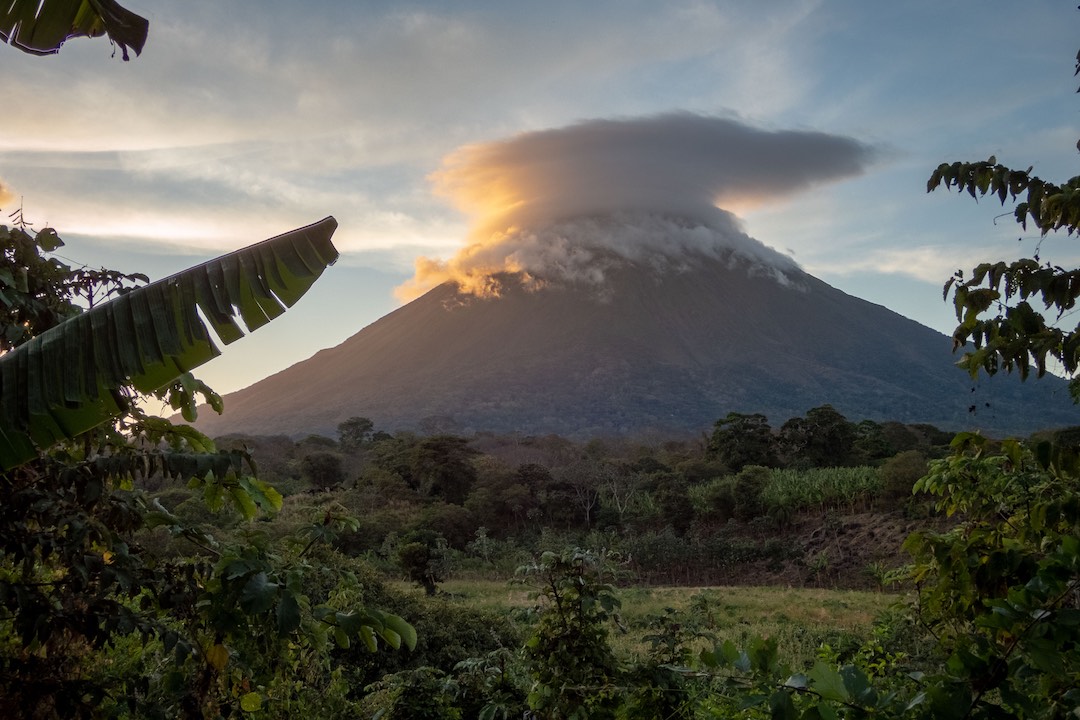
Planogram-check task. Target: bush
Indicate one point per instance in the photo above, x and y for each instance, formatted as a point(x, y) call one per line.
point(899, 473)
point(749, 486)
point(323, 469)
point(718, 500)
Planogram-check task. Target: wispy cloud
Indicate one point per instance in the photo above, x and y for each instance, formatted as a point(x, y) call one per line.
point(932, 264)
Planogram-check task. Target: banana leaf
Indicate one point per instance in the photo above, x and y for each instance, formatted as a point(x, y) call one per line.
point(40, 27)
point(77, 375)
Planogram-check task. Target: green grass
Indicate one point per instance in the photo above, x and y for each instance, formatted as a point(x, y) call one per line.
point(800, 620)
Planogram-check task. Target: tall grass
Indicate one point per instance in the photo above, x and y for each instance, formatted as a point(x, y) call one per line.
point(800, 620)
point(821, 487)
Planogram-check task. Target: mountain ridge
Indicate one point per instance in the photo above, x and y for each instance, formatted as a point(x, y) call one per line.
point(645, 351)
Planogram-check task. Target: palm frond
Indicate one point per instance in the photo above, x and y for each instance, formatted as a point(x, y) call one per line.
point(71, 378)
point(40, 27)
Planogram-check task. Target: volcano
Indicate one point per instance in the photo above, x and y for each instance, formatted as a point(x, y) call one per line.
point(607, 287)
point(646, 351)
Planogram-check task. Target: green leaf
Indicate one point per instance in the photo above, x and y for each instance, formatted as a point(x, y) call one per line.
point(258, 594)
point(218, 656)
point(288, 614)
point(44, 400)
point(828, 683)
point(368, 636)
point(858, 685)
point(48, 240)
point(781, 707)
point(262, 494)
point(821, 711)
point(406, 631)
point(243, 502)
point(341, 638)
point(214, 497)
point(251, 702)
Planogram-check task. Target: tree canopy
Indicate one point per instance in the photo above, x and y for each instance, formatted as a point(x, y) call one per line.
point(1014, 316)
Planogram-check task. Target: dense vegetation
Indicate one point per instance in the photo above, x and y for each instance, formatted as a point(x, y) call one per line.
point(678, 511)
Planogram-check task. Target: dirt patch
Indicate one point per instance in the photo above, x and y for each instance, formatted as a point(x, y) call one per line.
point(833, 550)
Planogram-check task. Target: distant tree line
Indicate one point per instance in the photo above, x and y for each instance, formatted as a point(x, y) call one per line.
point(683, 510)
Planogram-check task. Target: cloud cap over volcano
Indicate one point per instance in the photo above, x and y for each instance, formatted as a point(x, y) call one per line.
point(691, 167)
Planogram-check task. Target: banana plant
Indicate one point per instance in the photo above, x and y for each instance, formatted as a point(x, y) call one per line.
point(79, 374)
point(40, 27)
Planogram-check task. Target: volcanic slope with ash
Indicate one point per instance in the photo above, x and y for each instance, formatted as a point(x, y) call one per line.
point(666, 350)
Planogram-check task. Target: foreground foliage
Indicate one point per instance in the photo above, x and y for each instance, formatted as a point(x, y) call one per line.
point(94, 619)
point(60, 381)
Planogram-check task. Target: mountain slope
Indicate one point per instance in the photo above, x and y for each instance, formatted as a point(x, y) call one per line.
point(647, 350)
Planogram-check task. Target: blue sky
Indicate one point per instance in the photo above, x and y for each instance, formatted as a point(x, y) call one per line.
point(244, 119)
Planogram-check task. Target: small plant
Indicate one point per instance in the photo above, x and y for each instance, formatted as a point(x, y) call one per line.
point(424, 556)
point(881, 574)
point(417, 694)
point(573, 669)
point(819, 565)
point(492, 686)
point(701, 609)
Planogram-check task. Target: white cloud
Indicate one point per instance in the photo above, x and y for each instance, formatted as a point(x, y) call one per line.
point(932, 264)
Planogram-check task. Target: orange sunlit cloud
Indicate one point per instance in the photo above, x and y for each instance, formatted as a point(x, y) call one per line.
point(529, 198)
point(7, 196)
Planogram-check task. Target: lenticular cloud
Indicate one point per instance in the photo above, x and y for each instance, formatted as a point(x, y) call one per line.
point(563, 204)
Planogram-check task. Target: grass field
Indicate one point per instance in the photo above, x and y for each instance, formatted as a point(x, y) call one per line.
point(801, 620)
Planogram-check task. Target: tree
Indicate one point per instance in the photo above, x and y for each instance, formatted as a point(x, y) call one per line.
point(1000, 592)
point(994, 305)
point(423, 556)
point(498, 499)
point(749, 487)
point(620, 486)
point(739, 440)
point(323, 469)
point(900, 473)
point(824, 438)
point(211, 635)
point(442, 467)
point(40, 27)
point(585, 479)
point(673, 502)
point(355, 432)
point(871, 442)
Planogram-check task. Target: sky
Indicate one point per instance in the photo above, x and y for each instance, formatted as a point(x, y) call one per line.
point(243, 120)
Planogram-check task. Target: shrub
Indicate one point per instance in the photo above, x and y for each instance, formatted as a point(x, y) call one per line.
point(749, 486)
point(323, 469)
point(899, 473)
